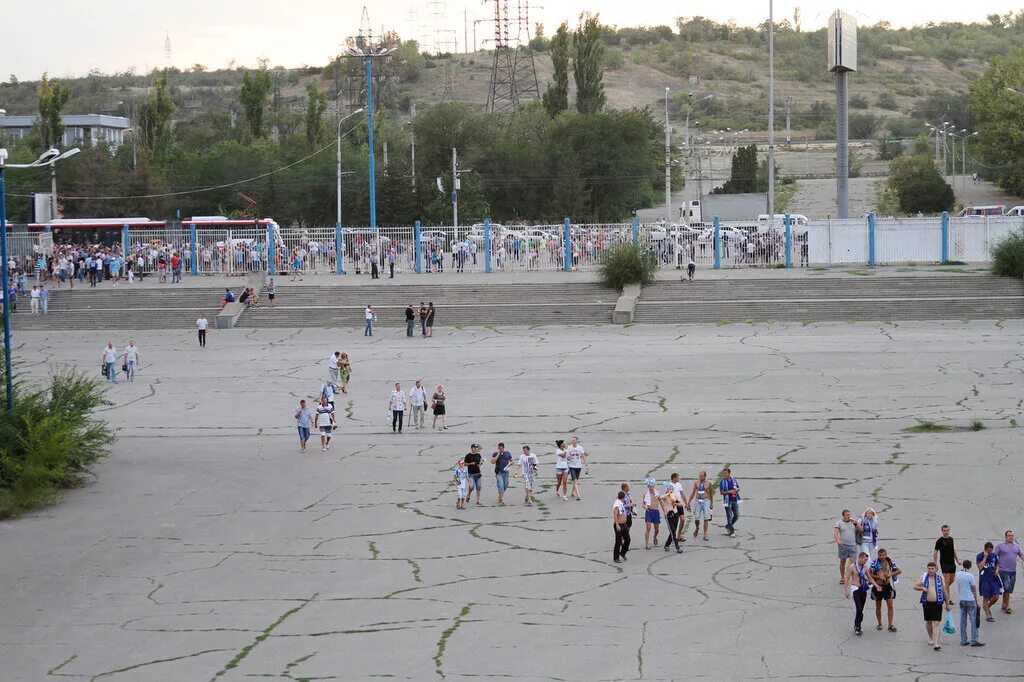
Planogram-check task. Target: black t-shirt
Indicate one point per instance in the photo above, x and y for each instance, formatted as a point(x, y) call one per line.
point(473, 460)
point(409, 315)
point(945, 547)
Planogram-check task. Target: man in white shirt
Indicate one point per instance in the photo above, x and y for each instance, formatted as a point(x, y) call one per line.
point(131, 359)
point(369, 321)
point(397, 403)
point(418, 400)
point(202, 325)
point(35, 300)
point(332, 366)
point(621, 529)
point(577, 458)
point(325, 422)
point(109, 361)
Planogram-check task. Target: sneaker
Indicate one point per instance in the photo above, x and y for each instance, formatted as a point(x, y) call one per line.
point(732, 535)
point(323, 449)
point(565, 498)
point(618, 561)
point(858, 632)
point(977, 644)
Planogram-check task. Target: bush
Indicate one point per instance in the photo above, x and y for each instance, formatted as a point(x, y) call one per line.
point(613, 60)
point(887, 100)
point(626, 263)
point(50, 440)
point(1008, 255)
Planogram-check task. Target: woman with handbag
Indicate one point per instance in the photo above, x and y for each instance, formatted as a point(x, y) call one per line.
point(437, 405)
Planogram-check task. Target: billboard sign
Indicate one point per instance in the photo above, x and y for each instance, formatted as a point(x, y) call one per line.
point(842, 42)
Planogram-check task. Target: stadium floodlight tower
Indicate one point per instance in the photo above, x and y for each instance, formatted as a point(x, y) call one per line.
point(842, 59)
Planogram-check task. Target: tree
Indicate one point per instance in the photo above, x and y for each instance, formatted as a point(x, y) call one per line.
point(918, 186)
point(315, 108)
point(588, 65)
point(743, 178)
point(155, 118)
point(52, 96)
point(256, 87)
point(999, 114)
point(556, 97)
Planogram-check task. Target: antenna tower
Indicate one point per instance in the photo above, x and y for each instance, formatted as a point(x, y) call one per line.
point(524, 70)
point(503, 96)
point(449, 83)
point(167, 50)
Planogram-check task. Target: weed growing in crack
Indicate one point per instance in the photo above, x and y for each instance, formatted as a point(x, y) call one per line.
point(923, 426)
point(977, 425)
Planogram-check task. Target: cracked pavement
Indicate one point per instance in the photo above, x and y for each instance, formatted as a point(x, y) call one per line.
point(208, 548)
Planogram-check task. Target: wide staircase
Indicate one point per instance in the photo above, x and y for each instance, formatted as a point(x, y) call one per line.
point(458, 304)
point(872, 297)
point(123, 307)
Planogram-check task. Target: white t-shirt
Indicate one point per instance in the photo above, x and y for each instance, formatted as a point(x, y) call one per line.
point(618, 505)
point(323, 414)
point(561, 463)
point(575, 455)
point(131, 353)
point(202, 323)
point(678, 490)
point(418, 396)
point(109, 354)
point(397, 400)
point(332, 362)
point(327, 391)
point(35, 293)
point(527, 463)
point(369, 313)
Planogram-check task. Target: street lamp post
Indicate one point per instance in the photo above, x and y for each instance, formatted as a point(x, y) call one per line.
point(668, 166)
point(53, 178)
point(689, 108)
point(340, 121)
point(368, 57)
point(771, 113)
point(48, 156)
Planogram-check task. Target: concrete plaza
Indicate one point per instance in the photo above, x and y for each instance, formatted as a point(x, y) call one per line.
point(209, 548)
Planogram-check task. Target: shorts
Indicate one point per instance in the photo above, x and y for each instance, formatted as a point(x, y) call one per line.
point(462, 490)
point(528, 479)
point(947, 568)
point(561, 472)
point(270, 296)
point(652, 516)
point(303, 433)
point(501, 481)
point(887, 592)
point(702, 510)
point(1008, 579)
point(847, 551)
point(326, 430)
point(475, 480)
point(574, 473)
point(932, 611)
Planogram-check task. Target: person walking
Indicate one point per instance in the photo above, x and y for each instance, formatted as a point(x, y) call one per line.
point(34, 299)
point(332, 366)
point(431, 311)
point(528, 470)
point(859, 582)
point(502, 461)
point(845, 535)
point(473, 461)
point(418, 402)
point(578, 460)
point(967, 594)
point(561, 470)
point(670, 505)
point(989, 584)
point(702, 500)
point(44, 299)
point(461, 478)
point(869, 532)
point(271, 292)
point(131, 359)
point(945, 554)
point(932, 598)
point(621, 546)
point(682, 503)
point(202, 325)
point(296, 265)
point(437, 403)
point(344, 371)
point(325, 422)
point(628, 504)
point(730, 489)
point(423, 318)
point(652, 513)
point(304, 422)
point(410, 320)
point(1007, 553)
point(391, 264)
point(885, 574)
point(398, 402)
point(110, 362)
point(370, 316)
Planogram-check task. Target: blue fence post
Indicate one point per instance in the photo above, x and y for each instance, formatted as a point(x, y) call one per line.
point(271, 252)
point(125, 239)
point(193, 237)
point(636, 230)
point(945, 237)
point(567, 243)
point(339, 253)
point(487, 245)
point(718, 244)
point(789, 240)
point(419, 248)
point(871, 239)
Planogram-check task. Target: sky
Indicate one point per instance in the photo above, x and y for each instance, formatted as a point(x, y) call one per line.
point(115, 36)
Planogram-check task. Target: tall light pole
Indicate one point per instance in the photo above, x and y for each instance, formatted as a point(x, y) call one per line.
point(689, 108)
point(771, 113)
point(368, 56)
point(53, 178)
point(48, 156)
point(340, 121)
point(668, 166)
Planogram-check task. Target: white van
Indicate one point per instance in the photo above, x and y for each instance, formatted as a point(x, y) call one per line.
point(797, 221)
point(1016, 211)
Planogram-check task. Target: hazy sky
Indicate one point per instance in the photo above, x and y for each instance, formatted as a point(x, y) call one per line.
point(112, 36)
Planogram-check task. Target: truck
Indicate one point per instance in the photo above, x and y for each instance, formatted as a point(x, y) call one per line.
point(728, 207)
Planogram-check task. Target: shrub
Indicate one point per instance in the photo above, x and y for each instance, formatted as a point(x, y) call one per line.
point(859, 102)
point(50, 440)
point(613, 60)
point(1008, 255)
point(626, 263)
point(887, 100)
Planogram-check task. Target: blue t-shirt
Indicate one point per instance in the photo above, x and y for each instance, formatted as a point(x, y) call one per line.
point(502, 461)
point(964, 582)
point(305, 418)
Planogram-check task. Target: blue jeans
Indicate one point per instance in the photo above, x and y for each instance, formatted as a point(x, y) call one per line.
point(369, 328)
point(303, 433)
point(410, 326)
point(501, 481)
point(111, 372)
point(968, 611)
point(131, 370)
point(732, 515)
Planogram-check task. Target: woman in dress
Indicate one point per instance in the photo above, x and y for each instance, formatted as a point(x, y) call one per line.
point(561, 470)
point(869, 542)
point(437, 403)
point(989, 583)
point(344, 371)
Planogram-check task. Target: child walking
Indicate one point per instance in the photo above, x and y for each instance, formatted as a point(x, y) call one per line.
point(460, 476)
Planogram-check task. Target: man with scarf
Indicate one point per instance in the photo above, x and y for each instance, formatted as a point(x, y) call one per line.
point(859, 581)
point(933, 596)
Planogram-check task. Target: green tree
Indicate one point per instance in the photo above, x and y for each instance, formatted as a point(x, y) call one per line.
point(743, 177)
point(315, 107)
point(51, 96)
point(999, 114)
point(253, 97)
point(588, 65)
point(155, 118)
point(918, 186)
point(556, 97)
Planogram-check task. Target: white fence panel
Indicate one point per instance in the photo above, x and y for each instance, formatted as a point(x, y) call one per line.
point(908, 240)
point(838, 242)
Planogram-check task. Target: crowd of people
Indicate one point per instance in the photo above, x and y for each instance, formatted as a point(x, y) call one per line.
point(865, 568)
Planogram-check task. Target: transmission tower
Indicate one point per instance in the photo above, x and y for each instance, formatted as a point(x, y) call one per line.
point(448, 95)
point(503, 95)
point(524, 70)
point(167, 50)
point(355, 70)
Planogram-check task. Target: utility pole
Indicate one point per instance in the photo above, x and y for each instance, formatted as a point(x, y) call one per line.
point(789, 111)
point(668, 166)
point(771, 113)
point(412, 128)
point(456, 186)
